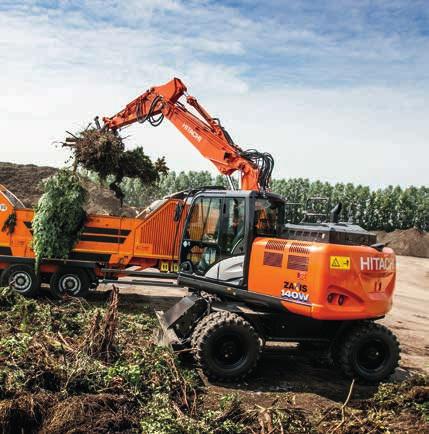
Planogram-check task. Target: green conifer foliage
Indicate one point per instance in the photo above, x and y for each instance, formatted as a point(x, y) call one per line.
point(59, 216)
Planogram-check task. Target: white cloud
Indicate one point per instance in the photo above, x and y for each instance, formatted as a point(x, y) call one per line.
point(60, 68)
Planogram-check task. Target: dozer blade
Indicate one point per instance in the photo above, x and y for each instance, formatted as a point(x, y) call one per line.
point(176, 325)
point(165, 336)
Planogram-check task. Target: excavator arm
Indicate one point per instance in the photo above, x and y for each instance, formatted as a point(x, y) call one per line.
point(205, 133)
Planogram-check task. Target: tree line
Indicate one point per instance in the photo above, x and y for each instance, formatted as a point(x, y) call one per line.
point(385, 209)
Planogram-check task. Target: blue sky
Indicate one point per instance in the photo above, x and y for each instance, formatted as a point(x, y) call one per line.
point(335, 90)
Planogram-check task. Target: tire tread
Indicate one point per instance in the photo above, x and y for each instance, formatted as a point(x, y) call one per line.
point(213, 322)
point(346, 346)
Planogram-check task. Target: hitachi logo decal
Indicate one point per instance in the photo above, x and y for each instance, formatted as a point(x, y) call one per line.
point(192, 132)
point(376, 264)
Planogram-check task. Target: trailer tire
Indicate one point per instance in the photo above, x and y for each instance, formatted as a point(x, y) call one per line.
point(228, 347)
point(71, 281)
point(369, 352)
point(27, 283)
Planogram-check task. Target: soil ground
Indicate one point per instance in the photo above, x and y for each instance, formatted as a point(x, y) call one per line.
point(286, 372)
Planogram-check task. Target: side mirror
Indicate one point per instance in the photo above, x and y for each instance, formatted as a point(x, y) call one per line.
point(186, 267)
point(178, 212)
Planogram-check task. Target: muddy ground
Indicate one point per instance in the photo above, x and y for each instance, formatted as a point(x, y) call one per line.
point(286, 372)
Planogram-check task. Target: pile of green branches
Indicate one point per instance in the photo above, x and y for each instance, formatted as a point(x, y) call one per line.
point(103, 152)
point(59, 216)
point(56, 376)
point(50, 382)
point(60, 212)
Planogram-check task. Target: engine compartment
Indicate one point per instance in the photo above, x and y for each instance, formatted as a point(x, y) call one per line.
point(347, 234)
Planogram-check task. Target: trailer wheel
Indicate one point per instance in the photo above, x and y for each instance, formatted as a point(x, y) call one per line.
point(71, 281)
point(369, 352)
point(22, 279)
point(228, 347)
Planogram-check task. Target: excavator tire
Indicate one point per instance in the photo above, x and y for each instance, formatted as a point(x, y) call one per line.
point(198, 329)
point(227, 347)
point(369, 352)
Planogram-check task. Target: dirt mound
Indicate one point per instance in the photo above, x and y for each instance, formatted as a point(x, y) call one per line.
point(409, 242)
point(23, 180)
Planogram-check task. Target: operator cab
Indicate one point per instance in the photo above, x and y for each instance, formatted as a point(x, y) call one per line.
point(220, 229)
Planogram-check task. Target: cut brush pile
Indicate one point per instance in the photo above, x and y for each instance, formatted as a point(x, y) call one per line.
point(71, 366)
point(60, 211)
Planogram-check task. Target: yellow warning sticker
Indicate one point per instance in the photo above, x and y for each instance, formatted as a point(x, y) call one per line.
point(340, 263)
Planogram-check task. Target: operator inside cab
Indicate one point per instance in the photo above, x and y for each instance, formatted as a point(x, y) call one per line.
point(234, 233)
point(268, 217)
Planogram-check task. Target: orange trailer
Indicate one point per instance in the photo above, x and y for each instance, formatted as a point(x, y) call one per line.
point(150, 240)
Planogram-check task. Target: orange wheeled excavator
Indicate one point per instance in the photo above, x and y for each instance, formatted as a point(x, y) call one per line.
point(252, 278)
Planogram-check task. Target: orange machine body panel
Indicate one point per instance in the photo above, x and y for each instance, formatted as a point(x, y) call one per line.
point(324, 281)
point(117, 242)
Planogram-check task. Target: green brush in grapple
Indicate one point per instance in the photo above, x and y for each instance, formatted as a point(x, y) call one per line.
point(103, 152)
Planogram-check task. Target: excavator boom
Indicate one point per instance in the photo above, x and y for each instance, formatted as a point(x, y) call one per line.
point(205, 133)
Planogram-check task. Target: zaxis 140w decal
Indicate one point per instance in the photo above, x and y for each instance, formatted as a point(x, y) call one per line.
point(295, 292)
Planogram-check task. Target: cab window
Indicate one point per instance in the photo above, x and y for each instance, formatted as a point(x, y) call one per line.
point(268, 216)
point(234, 226)
point(205, 218)
point(215, 231)
point(202, 234)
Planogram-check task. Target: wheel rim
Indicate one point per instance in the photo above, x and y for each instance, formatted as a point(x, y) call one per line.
point(229, 351)
point(70, 283)
point(20, 281)
point(371, 355)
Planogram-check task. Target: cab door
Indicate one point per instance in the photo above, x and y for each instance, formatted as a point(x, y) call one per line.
point(230, 267)
point(200, 243)
point(215, 238)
